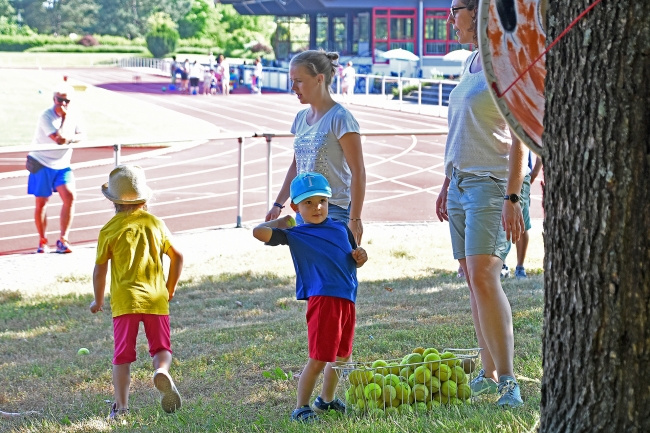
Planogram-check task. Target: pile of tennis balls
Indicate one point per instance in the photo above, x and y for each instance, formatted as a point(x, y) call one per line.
point(421, 382)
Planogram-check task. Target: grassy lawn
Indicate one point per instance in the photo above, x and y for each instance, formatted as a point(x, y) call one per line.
point(106, 115)
point(408, 297)
point(58, 60)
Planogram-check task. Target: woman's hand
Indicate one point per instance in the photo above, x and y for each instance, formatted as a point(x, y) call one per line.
point(356, 227)
point(441, 202)
point(273, 214)
point(512, 220)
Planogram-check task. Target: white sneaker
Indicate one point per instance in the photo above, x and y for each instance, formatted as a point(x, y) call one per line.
point(505, 272)
point(170, 399)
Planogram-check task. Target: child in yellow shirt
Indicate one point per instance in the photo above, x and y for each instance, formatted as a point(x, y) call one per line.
point(134, 241)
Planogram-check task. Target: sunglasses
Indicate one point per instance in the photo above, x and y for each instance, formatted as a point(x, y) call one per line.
point(452, 11)
point(61, 100)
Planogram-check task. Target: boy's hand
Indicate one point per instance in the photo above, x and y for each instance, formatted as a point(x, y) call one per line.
point(171, 295)
point(95, 307)
point(360, 256)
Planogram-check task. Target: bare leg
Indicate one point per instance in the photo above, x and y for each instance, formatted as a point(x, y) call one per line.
point(307, 381)
point(330, 380)
point(486, 359)
point(162, 359)
point(40, 216)
point(68, 195)
point(522, 247)
point(121, 384)
point(494, 313)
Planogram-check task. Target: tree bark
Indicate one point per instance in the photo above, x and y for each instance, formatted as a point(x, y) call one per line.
point(596, 344)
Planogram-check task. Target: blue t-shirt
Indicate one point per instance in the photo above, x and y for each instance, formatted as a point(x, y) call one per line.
point(322, 256)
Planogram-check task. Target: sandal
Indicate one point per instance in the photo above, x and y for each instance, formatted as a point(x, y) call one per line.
point(304, 414)
point(117, 413)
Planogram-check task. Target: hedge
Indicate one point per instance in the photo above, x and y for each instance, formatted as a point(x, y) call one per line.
point(94, 49)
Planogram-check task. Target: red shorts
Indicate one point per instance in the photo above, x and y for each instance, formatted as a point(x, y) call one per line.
point(125, 333)
point(330, 327)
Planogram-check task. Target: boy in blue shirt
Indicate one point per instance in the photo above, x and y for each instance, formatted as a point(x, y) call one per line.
point(325, 256)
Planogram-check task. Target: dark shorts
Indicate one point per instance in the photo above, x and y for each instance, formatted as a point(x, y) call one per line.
point(330, 327)
point(125, 333)
point(194, 81)
point(46, 180)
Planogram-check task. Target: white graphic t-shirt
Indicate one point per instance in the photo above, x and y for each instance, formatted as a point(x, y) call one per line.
point(49, 123)
point(317, 148)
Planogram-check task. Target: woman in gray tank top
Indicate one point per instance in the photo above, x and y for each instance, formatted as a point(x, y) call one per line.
point(483, 164)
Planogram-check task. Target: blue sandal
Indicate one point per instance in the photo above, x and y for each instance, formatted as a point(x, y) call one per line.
point(304, 414)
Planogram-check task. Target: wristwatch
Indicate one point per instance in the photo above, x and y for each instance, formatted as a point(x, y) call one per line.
point(512, 197)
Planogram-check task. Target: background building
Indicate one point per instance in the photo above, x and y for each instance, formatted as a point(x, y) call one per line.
point(361, 30)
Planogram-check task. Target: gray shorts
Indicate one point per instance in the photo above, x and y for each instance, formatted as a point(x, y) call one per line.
point(474, 205)
point(525, 202)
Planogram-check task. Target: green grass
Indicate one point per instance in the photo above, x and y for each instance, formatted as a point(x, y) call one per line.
point(106, 115)
point(222, 351)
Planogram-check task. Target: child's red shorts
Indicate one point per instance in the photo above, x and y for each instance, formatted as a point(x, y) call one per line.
point(125, 333)
point(330, 327)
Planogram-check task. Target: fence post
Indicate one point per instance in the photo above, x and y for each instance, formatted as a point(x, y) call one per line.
point(419, 96)
point(367, 88)
point(240, 191)
point(383, 85)
point(116, 152)
point(269, 171)
point(439, 98)
point(400, 92)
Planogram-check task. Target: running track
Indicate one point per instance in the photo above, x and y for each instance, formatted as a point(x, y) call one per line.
point(196, 185)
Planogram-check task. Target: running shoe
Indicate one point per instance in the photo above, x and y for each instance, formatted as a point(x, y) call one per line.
point(43, 247)
point(62, 246)
point(510, 393)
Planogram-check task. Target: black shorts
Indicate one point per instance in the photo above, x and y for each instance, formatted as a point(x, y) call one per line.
point(194, 81)
point(183, 75)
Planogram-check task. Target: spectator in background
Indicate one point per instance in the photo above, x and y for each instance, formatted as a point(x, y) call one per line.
point(50, 169)
point(196, 73)
point(224, 69)
point(241, 69)
point(173, 70)
point(349, 80)
point(210, 61)
point(257, 77)
point(185, 76)
point(208, 76)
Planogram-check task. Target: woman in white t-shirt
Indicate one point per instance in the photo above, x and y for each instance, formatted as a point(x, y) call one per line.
point(485, 168)
point(224, 70)
point(327, 140)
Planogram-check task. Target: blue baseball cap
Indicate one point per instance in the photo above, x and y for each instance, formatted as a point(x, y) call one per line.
point(309, 184)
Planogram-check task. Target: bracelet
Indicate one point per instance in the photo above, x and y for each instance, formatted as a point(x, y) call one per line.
point(278, 205)
point(354, 219)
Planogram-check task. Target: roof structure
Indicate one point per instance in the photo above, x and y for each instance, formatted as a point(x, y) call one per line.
point(300, 7)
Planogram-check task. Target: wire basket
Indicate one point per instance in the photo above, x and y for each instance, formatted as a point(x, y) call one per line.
point(408, 385)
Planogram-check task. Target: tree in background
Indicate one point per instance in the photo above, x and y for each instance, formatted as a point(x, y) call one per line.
point(596, 343)
point(59, 17)
point(193, 24)
point(162, 36)
point(129, 17)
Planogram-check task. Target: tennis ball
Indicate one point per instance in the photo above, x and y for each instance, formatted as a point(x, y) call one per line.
point(393, 368)
point(371, 405)
point(464, 391)
point(412, 380)
point(378, 379)
point(391, 411)
point(360, 377)
point(454, 400)
point(372, 391)
point(391, 379)
point(420, 392)
point(468, 364)
point(443, 372)
point(379, 363)
point(405, 372)
point(429, 351)
point(440, 398)
point(83, 351)
point(413, 358)
point(291, 222)
point(164, 89)
point(422, 374)
point(419, 350)
point(448, 358)
point(377, 413)
point(402, 391)
point(458, 375)
point(449, 388)
point(396, 402)
point(433, 384)
point(388, 393)
point(361, 404)
point(358, 392)
point(350, 395)
point(420, 406)
point(432, 404)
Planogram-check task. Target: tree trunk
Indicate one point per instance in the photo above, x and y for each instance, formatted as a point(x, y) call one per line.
point(596, 345)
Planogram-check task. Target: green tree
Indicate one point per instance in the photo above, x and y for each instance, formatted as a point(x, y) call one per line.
point(128, 18)
point(232, 31)
point(58, 16)
point(162, 36)
point(194, 23)
point(7, 10)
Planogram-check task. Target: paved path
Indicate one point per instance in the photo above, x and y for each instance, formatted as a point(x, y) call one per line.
point(196, 186)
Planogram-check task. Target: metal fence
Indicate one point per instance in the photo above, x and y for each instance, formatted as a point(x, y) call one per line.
point(240, 137)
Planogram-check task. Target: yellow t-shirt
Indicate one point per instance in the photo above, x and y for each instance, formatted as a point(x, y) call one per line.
point(135, 243)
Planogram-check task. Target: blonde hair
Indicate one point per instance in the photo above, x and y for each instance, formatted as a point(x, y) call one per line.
point(318, 62)
point(128, 208)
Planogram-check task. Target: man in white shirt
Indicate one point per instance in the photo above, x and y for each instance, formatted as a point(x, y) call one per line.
point(349, 80)
point(50, 169)
point(224, 69)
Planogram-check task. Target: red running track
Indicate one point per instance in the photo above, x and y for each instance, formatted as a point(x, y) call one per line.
point(196, 186)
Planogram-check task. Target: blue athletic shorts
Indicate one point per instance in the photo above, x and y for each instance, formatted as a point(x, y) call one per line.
point(474, 205)
point(46, 180)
